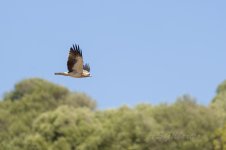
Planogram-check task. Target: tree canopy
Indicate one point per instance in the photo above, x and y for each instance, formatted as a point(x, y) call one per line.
point(40, 115)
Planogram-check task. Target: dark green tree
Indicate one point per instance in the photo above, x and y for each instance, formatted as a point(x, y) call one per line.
point(219, 102)
point(40, 115)
point(31, 98)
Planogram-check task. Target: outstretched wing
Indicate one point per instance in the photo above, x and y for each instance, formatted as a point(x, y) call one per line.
point(75, 60)
point(86, 67)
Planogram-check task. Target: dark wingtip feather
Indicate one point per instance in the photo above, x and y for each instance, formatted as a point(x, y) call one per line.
point(86, 67)
point(76, 49)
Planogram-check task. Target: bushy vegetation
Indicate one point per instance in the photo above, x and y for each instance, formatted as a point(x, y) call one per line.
point(39, 115)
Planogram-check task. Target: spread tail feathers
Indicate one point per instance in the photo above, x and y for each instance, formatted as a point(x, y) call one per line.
point(61, 73)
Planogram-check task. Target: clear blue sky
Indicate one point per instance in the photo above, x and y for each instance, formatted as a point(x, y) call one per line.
point(139, 51)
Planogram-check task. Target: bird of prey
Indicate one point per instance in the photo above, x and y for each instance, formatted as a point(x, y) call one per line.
point(75, 65)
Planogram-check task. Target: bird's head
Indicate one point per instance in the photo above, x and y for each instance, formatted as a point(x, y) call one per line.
point(86, 74)
point(89, 75)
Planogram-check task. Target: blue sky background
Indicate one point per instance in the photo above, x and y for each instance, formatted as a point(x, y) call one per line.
point(139, 51)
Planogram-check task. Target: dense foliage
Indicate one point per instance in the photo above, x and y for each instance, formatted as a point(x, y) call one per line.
point(39, 115)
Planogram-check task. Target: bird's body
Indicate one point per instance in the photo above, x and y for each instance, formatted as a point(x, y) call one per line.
point(75, 75)
point(75, 65)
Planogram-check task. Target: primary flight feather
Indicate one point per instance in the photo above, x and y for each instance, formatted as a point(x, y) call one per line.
point(75, 65)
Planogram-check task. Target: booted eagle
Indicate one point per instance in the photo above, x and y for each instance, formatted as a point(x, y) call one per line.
point(75, 65)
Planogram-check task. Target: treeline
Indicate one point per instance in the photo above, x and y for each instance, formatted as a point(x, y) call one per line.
point(39, 115)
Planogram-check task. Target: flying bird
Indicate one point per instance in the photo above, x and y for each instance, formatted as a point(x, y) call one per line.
point(76, 67)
